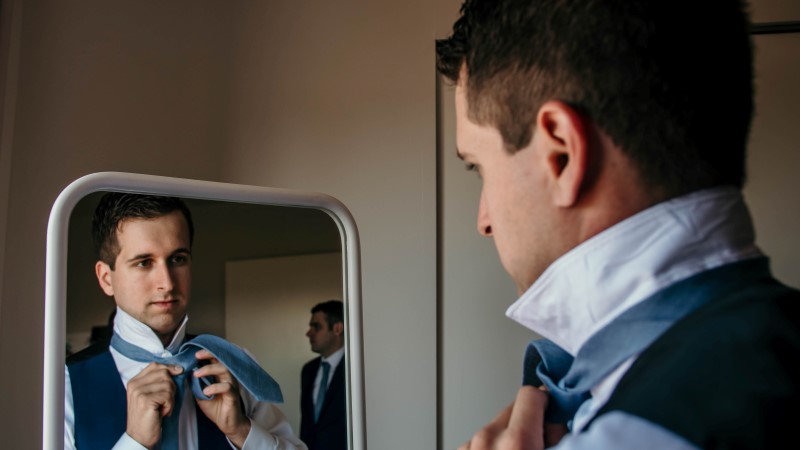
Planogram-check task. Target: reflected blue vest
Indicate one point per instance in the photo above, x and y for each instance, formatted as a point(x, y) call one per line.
point(100, 403)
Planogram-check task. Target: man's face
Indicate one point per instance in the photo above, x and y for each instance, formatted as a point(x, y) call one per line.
point(324, 340)
point(514, 207)
point(152, 276)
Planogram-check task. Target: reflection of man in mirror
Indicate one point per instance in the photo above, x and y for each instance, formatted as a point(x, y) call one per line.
point(322, 391)
point(115, 395)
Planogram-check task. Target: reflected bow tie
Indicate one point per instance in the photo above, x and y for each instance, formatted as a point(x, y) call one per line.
point(244, 368)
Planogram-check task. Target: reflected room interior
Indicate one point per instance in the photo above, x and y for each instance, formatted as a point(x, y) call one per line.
point(257, 270)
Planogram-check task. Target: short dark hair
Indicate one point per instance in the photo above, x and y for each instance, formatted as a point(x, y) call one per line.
point(114, 207)
point(669, 81)
point(333, 310)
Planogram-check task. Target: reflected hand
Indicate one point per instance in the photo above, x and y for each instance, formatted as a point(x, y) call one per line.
point(151, 397)
point(225, 409)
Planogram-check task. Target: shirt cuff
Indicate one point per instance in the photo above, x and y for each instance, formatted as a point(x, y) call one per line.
point(126, 442)
point(258, 439)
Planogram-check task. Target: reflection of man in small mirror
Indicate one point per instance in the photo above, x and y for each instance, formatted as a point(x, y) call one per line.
point(113, 398)
point(322, 395)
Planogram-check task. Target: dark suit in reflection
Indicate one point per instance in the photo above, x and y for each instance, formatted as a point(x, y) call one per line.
point(330, 431)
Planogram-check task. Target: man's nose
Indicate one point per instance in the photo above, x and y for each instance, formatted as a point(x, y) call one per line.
point(164, 278)
point(484, 225)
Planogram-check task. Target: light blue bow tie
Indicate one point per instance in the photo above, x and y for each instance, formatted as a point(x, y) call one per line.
point(246, 371)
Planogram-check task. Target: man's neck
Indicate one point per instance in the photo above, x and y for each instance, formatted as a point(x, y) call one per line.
point(165, 339)
point(328, 354)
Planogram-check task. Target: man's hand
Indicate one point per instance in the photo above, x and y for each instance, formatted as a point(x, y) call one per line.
point(151, 397)
point(225, 409)
point(518, 427)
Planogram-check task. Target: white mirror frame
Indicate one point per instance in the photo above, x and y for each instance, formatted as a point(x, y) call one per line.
point(56, 278)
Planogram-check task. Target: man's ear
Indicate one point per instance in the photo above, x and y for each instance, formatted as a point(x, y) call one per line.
point(566, 145)
point(338, 328)
point(103, 272)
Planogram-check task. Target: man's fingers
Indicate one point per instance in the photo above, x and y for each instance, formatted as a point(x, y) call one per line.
point(553, 433)
point(222, 376)
point(519, 426)
point(501, 420)
point(205, 354)
point(526, 424)
point(153, 388)
point(222, 387)
point(528, 409)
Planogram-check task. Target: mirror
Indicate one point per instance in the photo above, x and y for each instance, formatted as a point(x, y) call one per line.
point(252, 251)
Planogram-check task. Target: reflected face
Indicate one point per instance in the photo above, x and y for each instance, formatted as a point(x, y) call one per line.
point(324, 340)
point(513, 208)
point(152, 276)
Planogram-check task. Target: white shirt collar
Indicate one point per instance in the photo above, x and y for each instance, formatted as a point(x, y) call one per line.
point(335, 358)
point(590, 285)
point(142, 336)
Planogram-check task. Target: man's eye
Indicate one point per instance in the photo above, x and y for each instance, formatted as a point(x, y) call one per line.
point(179, 259)
point(144, 263)
point(473, 168)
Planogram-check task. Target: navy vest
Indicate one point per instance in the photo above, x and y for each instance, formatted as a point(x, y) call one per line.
point(100, 403)
point(727, 375)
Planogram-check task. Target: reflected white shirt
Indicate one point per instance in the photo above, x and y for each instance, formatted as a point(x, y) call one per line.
point(269, 429)
point(334, 361)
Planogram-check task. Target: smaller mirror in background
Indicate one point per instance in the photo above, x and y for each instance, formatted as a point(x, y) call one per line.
point(256, 272)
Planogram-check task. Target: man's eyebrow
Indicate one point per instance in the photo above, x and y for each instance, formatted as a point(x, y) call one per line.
point(140, 257)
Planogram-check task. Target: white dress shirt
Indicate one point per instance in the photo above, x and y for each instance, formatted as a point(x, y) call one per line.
point(269, 429)
point(334, 361)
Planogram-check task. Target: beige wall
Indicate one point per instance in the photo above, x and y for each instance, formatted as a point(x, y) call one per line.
point(101, 86)
point(337, 97)
point(268, 305)
point(774, 158)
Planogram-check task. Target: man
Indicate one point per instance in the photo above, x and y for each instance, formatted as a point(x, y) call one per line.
point(323, 423)
point(114, 399)
point(610, 137)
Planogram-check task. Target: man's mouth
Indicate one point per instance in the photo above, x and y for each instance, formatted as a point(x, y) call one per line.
point(164, 303)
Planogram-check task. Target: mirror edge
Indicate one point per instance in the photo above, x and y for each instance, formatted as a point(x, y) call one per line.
point(56, 278)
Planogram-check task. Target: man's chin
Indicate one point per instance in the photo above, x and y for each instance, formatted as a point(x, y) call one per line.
point(165, 326)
